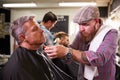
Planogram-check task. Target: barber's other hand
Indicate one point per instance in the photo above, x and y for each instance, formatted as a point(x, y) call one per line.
point(57, 51)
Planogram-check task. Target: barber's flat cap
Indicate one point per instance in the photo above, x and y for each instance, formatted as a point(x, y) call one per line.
point(85, 14)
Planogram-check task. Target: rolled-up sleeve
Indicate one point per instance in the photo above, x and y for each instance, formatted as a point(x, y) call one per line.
point(105, 51)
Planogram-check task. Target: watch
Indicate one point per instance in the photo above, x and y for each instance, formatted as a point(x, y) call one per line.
point(68, 55)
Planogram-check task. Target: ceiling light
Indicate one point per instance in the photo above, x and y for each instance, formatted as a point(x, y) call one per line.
point(20, 5)
point(74, 4)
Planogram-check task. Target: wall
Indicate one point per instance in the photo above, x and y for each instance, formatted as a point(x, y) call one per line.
point(4, 31)
point(39, 13)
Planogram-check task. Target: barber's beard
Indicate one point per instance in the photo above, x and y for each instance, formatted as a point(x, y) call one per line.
point(90, 37)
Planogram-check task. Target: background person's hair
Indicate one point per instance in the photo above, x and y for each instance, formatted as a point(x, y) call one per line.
point(61, 35)
point(16, 27)
point(49, 16)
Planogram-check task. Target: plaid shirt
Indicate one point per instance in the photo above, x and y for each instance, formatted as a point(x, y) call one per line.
point(48, 36)
point(103, 58)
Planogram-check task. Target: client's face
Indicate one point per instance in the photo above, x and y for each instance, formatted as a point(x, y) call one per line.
point(33, 34)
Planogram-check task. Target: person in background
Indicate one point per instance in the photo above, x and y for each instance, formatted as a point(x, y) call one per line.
point(49, 20)
point(62, 38)
point(26, 62)
point(93, 48)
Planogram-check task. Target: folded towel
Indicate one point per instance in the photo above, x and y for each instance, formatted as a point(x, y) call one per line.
point(90, 72)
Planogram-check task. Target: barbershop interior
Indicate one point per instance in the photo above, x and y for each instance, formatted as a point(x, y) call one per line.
point(65, 11)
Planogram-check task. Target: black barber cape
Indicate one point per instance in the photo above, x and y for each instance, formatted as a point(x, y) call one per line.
point(26, 64)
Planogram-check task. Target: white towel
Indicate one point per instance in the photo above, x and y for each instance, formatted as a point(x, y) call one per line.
point(91, 71)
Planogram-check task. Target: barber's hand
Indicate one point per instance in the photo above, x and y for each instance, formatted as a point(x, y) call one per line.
point(57, 51)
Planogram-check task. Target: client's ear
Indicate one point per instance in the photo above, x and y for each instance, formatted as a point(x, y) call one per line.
point(97, 20)
point(21, 37)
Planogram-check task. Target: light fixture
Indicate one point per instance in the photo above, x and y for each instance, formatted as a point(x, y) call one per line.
point(76, 4)
point(20, 5)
